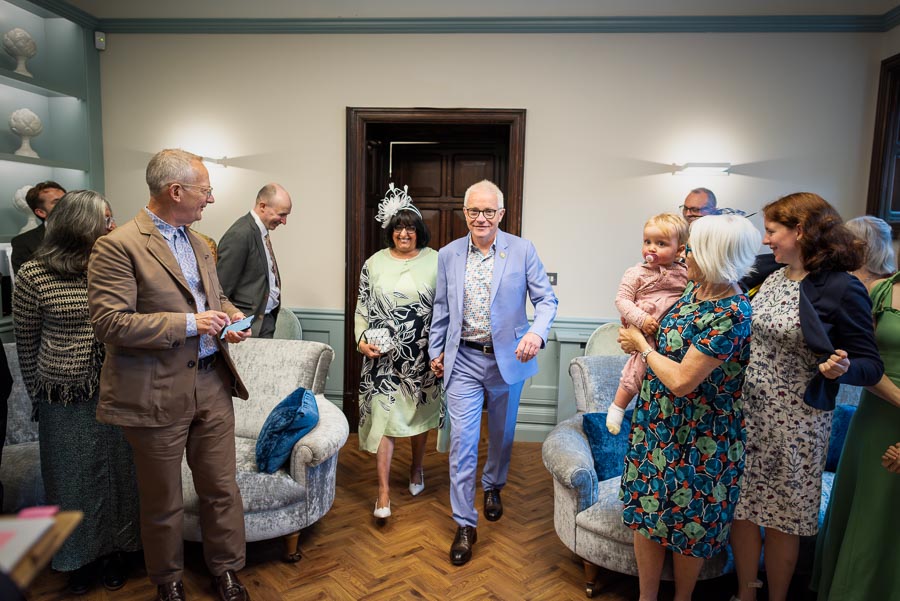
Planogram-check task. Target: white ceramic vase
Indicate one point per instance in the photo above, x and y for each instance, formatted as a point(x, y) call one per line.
point(19, 44)
point(27, 125)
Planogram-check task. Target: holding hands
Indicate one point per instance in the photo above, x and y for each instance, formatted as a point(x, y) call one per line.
point(836, 365)
point(437, 366)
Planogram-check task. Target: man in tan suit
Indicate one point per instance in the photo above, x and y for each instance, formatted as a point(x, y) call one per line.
point(167, 379)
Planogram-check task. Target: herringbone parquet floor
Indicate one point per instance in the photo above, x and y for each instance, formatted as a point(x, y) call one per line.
point(347, 556)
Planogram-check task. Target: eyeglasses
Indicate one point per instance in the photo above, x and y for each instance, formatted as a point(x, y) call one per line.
point(488, 213)
point(110, 222)
point(410, 229)
point(203, 189)
point(693, 210)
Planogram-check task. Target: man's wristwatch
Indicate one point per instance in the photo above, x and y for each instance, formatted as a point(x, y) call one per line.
point(645, 353)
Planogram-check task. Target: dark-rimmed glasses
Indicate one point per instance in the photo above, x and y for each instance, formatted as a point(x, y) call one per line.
point(410, 229)
point(473, 213)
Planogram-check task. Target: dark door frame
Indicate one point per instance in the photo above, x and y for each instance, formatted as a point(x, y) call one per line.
point(358, 120)
point(883, 176)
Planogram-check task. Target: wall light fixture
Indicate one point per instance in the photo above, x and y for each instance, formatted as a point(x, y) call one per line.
point(701, 169)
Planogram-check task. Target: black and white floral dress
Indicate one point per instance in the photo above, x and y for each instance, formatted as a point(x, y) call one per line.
point(398, 394)
point(787, 440)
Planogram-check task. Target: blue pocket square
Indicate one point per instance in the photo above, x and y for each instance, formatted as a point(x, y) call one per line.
point(289, 421)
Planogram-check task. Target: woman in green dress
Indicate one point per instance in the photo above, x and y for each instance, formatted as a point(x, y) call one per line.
point(399, 397)
point(856, 552)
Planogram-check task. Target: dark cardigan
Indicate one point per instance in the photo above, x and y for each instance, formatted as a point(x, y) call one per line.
point(836, 313)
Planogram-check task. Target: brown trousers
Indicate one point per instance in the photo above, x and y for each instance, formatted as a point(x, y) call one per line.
point(208, 437)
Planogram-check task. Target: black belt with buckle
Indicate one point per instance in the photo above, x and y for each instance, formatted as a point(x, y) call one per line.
point(208, 362)
point(487, 349)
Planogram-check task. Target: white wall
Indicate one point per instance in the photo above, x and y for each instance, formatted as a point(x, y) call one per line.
point(606, 116)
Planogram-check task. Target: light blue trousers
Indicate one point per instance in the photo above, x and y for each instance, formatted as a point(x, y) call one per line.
point(476, 379)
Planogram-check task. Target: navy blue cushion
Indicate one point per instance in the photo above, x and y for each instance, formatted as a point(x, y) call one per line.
point(608, 449)
point(288, 422)
point(840, 421)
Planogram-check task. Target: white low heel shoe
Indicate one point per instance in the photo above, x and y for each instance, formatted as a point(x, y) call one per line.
point(416, 489)
point(382, 512)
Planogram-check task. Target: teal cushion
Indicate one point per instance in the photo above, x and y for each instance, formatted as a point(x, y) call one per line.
point(608, 449)
point(840, 421)
point(289, 421)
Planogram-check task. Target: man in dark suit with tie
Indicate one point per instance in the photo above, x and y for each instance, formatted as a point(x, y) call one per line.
point(41, 199)
point(247, 267)
point(167, 379)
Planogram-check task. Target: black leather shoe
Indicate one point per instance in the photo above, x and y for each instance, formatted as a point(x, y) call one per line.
point(170, 591)
point(229, 588)
point(82, 580)
point(493, 507)
point(461, 549)
point(113, 574)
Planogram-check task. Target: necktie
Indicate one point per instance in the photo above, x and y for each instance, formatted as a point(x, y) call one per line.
point(274, 263)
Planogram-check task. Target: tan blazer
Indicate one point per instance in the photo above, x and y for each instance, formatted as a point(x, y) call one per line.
point(138, 299)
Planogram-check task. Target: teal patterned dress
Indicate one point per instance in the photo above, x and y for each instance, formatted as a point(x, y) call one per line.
point(683, 468)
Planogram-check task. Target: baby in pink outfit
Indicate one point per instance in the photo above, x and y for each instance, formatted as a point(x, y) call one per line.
point(648, 290)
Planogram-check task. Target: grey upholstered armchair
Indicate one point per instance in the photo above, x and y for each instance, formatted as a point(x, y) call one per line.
point(587, 514)
point(298, 495)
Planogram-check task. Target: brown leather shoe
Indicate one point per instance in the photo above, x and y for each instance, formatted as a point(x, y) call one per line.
point(230, 588)
point(461, 549)
point(170, 591)
point(493, 508)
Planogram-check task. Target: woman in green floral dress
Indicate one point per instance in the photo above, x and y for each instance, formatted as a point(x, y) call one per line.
point(398, 395)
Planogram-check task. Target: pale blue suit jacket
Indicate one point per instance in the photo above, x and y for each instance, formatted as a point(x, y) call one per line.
point(517, 270)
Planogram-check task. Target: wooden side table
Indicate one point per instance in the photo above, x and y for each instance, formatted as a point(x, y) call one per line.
point(40, 553)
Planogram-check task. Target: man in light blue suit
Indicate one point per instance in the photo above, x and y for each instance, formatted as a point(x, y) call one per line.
point(485, 349)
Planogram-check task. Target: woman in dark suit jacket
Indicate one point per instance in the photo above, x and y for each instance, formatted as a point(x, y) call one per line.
point(812, 331)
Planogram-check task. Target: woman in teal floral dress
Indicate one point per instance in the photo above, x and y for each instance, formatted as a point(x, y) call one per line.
point(683, 468)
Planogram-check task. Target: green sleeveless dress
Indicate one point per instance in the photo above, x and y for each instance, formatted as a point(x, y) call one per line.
point(857, 551)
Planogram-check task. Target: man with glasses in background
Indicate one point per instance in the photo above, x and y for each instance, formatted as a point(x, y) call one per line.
point(699, 202)
point(247, 267)
point(482, 345)
point(167, 379)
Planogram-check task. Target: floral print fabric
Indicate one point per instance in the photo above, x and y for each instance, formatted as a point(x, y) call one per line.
point(787, 440)
point(683, 468)
point(398, 393)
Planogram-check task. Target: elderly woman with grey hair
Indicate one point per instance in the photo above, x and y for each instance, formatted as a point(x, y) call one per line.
point(85, 465)
point(682, 472)
point(880, 261)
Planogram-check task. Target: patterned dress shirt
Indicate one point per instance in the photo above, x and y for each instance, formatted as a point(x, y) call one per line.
point(176, 238)
point(476, 323)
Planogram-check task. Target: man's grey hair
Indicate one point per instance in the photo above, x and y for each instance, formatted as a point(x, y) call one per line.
point(169, 166)
point(880, 256)
point(724, 247)
point(484, 185)
point(710, 197)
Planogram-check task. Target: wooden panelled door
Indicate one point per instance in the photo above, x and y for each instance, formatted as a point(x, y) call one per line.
point(437, 161)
